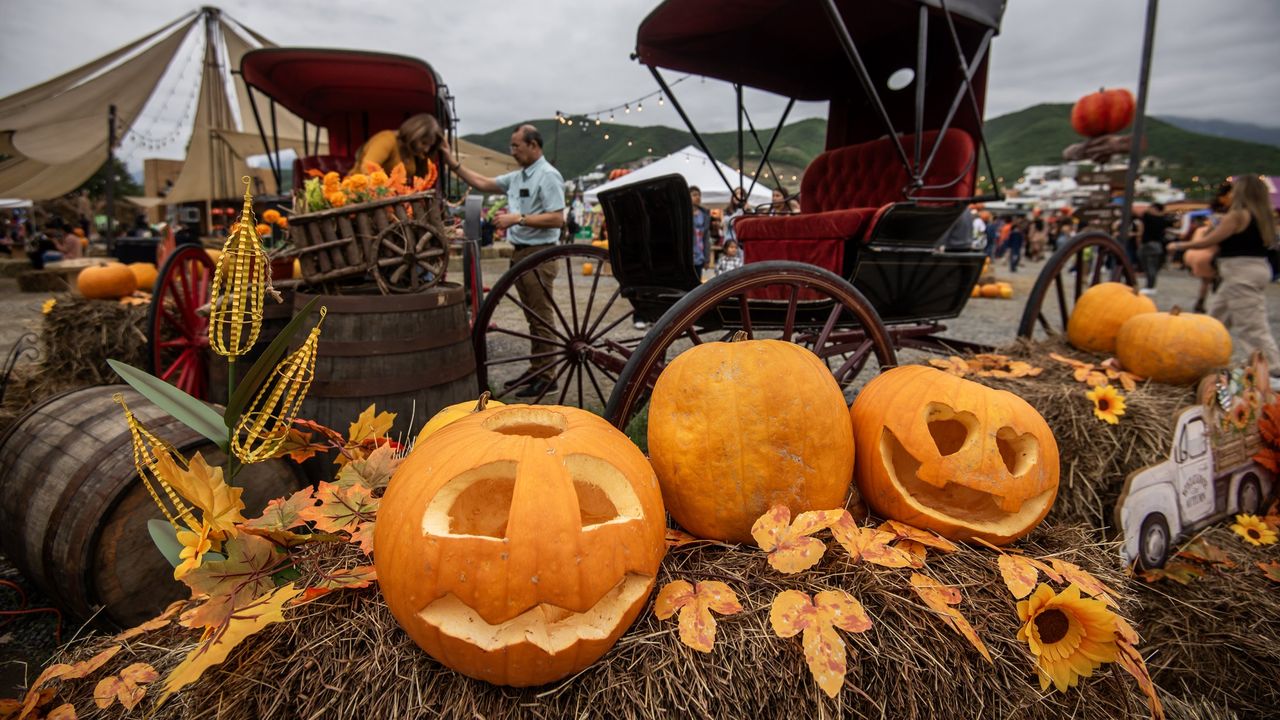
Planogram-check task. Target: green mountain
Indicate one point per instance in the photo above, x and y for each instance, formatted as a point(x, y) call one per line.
point(1033, 136)
point(577, 152)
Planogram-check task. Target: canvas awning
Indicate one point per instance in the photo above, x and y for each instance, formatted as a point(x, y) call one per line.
point(481, 159)
point(697, 169)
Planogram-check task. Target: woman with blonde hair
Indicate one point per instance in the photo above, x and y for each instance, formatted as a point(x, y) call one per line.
point(417, 142)
point(1242, 239)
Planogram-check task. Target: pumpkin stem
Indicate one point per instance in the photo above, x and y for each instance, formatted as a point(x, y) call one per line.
point(739, 336)
point(482, 401)
point(1176, 310)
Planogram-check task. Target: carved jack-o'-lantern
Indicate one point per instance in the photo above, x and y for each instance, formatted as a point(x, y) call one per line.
point(517, 545)
point(950, 455)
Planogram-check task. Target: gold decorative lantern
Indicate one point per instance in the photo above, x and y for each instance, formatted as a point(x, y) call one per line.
point(265, 424)
point(239, 287)
point(146, 451)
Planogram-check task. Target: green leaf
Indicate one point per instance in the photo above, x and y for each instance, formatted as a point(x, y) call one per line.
point(262, 368)
point(193, 413)
point(166, 539)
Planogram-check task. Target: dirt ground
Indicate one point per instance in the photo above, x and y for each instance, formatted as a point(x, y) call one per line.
point(27, 640)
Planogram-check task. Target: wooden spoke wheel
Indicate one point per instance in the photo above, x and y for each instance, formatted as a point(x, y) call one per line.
point(411, 257)
point(819, 309)
point(178, 344)
point(1088, 259)
point(587, 332)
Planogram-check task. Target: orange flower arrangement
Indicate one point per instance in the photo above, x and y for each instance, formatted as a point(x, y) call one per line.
point(332, 190)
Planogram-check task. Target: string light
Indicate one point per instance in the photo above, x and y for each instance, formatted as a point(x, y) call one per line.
point(640, 107)
point(628, 110)
point(660, 103)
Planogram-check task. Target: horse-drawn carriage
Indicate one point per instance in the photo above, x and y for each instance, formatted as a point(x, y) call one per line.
point(856, 273)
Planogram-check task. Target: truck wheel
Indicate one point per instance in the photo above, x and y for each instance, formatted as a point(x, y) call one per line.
point(1249, 496)
point(1153, 542)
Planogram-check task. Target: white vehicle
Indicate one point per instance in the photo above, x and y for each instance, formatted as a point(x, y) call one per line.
point(1210, 475)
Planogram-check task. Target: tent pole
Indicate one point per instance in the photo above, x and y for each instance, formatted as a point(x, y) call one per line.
point(742, 160)
point(1139, 121)
point(207, 82)
point(111, 176)
point(697, 137)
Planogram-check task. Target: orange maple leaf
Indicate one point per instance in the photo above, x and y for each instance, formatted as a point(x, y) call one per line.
point(341, 509)
point(697, 625)
point(924, 537)
point(679, 538)
point(940, 598)
point(1131, 660)
point(817, 617)
point(869, 544)
point(1072, 573)
point(128, 687)
point(1271, 570)
point(361, 576)
point(789, 546)
point(1019, 573)
point(1203, 551)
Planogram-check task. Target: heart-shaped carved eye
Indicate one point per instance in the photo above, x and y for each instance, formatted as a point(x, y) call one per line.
point(1018, 450)
point(948, 428)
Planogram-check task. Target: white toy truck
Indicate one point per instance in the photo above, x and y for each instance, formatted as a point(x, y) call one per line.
point(1210, 475)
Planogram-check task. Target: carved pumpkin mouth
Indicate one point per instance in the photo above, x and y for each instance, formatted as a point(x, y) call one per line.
point(548, 627)
point(950, 497)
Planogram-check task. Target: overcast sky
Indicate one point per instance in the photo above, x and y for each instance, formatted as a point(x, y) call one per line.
point(510, 61)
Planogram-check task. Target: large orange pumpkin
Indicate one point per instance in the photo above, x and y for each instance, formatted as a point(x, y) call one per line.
point(1101, 310)
point(1175, 347)
point(1103, 112)
point(145, 273)
point(736, 428)
point(949, 455)
point(109, 281)
point(517, 545)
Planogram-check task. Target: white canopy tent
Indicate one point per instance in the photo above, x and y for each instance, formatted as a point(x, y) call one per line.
point(697, 169)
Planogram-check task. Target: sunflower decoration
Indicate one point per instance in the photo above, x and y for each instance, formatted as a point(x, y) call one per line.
point(1108, 403)
point(1250, 376)
point(47, 306)
point(1239, 415)
point(1253, 530)
point(1070, 636)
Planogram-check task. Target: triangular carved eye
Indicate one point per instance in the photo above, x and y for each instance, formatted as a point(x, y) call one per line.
point(1019, 451)
point(948, 428)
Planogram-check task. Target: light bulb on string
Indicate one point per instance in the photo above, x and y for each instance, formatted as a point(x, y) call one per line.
point(640, 107)
point(597, 120)
point(606, 136)
point(628, 143)
point(660, 103)
point(628, 110)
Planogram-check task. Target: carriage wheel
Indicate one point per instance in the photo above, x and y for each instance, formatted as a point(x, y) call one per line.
point(834, 320)
point(590, 328)
point(1088, 259)
point(411, 257)
point(178, 344)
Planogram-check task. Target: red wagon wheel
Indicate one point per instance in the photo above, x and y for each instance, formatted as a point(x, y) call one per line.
point(1086, 260)
point(178, 345)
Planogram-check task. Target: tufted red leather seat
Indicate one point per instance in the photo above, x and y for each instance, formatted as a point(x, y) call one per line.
point(842, 192)
point(323, 163)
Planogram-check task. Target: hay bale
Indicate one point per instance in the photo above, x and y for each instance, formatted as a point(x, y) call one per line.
point(344, 656)
point(43, 281)
point(1215, 643)
point(1096, 457)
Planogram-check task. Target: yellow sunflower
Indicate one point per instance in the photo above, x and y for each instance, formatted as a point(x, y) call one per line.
point(1240, 415)
point(1254, 530)
point(46, 307)
point(1108, 403)
point(1069, 636)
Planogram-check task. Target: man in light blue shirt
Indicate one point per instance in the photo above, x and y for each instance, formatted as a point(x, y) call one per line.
point(533, 218)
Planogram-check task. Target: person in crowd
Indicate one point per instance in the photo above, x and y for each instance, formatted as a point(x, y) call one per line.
point(1037, 236)
point(1242, 239)
point(702, 255)
point(416, 142)
point(959, 237)
point(1200, 262)
point(994, 229)
point(1017, 238)
point(1153, 249)
point(730, 259)
point(979, 230)
point(781, 205)
point(736, 208)
point(532, 219)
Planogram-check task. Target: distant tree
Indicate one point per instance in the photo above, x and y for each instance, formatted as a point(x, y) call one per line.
point(97, 185)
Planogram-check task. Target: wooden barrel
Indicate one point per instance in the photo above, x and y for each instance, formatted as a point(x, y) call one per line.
point(73, 511)
point(275, 315)
point(410, 354)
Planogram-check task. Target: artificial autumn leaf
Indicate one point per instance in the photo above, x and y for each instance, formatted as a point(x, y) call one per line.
point(370, 425)
point(263, 611)
point(85, 668)
point(284, 513)
point(203, 486)
point(1131, 660)
point(1074, 363)
point(940, 598)
point(299, 447)
point(373, 471)
point(1072, 573)
point(924, 537)
point(789, 546)
point(334, 437)
point(793, 612)
point(869, 544)
point(1115, 372)
point(1019, 573)
point(1205, 552)
point(679, 538)
point(155, 623)
point(1180, 572)
point(361, 576)
point(1125, 631)
point(341, 509)
point(695, 603)
point(363, 536)
point(953, 365)
point(127, 687)
point(916, 550)
point(1271, 570)
point(231, 583)
point(65, 711)
point(1096, 379)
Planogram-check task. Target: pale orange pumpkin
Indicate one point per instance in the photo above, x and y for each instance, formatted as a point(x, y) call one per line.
point(946, 454)
point(736, 428)
point(991, 290)
point(456, 412)
point(1100, 311)
point(109, 281)
point(145, 273)
point(516, 545)
point(1175, 347)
